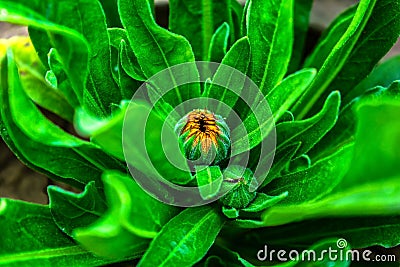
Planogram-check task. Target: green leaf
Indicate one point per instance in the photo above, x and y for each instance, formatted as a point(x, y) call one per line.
point(198, 20)
point(142, 152)
point(42, 144)
point(219, 43)
point(225, 257)
point(226, 84)
point(270, 32)
point(209, 180)
point(184, 244)
point(287, 92)
point(101, 91)
point(230, 212)
point(382, 75)
point(314, 182)
point(301, 17)
point(70, 43)
point(360, 232)
point(336, 59)
point(263, 201)
point(379, 35)
point(377, 142)
point(345, 129)
point(282, 159)
point(31, 72)
point(108, 239)
point(311, 130)
point(139, 212)
point(30, 238)
point(157, 49)
point(277, 101)
point(64, 84)
point(132, 218)
point(71, 210)
point(369, 199)
point(43, 94)
point(129, 62)
point(329, 38)
point(128, 85)
point(89, 72)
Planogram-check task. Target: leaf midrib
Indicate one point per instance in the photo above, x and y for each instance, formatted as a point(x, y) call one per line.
point(43, 254)
point(194, 229)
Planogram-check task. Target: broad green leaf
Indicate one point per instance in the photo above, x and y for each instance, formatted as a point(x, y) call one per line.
point(226, 85)
point(101, 91)
point(369, 199)
point(129, 62)
point(157, 49)
point(276, 102)
point(69, 42)
point(198, 20)
point(128, 59)
point(128, 85)
point(382, 75)
point(311, 130)
point(314, 182)
point(282, 159)
point(71, 210)
point(301, 16)
point(270, 32)
point(377, 142)
point(263, 201)
point(336, 59)
point(31, 72)
point(379, 35)
point(248, 223)
point(38, 128)
point(63, 83)
point(107, 238)
point(86, 61)
point(230, 212)
point(222, 256)
point(329, 38)
point(360, 232)
point(184, 244)
point(287, 92)
point(219, 43)
point(31, 238)
point(345, 129)
point(141, 151)
point(132, 218)
point(40, 143)
point(209, 180)
point(139, 212)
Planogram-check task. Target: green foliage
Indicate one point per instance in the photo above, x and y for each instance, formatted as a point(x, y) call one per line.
point(330, 119)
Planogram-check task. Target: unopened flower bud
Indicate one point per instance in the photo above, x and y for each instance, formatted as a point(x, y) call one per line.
point(239, 179)
point(203, 136)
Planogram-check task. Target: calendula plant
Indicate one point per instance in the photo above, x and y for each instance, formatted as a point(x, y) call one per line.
point(180, 161)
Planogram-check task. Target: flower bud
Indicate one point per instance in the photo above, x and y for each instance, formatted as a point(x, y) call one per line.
point(203, 136)
point(239, 179)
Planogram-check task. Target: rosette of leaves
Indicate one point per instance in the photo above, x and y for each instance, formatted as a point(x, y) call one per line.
point(335, 172)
